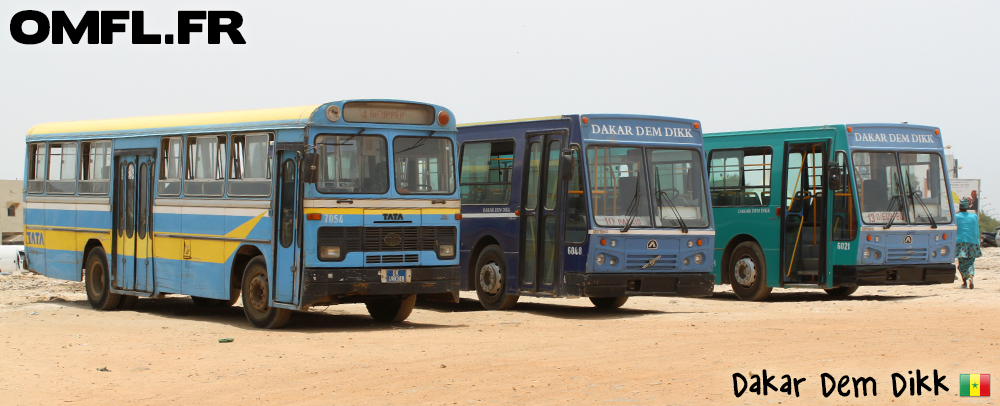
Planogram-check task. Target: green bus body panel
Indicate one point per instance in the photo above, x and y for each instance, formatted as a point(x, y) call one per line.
point(763, 224)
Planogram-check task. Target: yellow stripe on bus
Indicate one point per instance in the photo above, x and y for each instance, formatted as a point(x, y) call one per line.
point(176, 120)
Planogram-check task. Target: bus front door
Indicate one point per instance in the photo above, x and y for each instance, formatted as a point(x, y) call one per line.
point(541, 223)
point(804, 215)
point(287, 247)
point(133, 202)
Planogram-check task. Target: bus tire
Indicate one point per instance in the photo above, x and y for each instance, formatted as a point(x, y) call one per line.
point(256, 297)
point(127, 302)
point(491, 284)
point(392, 310)
point(842, 291)
point(748, 272)
point(98, 281)
point(609, 302)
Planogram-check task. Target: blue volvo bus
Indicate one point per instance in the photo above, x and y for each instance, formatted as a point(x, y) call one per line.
point(344, 202)
point(831, 207)
point(600, 206)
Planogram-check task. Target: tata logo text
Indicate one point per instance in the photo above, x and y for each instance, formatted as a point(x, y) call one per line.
point(36, 238)
point(391, 216)
point(641, 130)
point(32, 27)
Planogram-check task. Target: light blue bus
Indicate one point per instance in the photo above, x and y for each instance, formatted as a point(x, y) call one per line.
point(343, 202)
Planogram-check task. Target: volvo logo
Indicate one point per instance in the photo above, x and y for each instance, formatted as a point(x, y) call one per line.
point(651, 245)
point(392, 239)
point(907, 240)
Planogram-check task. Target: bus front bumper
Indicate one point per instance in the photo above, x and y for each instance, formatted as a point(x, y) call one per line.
point(694, 284)
point(352, 285)
point(867, 275)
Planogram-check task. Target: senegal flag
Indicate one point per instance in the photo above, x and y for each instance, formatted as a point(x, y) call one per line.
point(975, 385)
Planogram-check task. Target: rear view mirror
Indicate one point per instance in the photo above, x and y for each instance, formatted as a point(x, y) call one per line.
point(310, 168)
point(566, 165)
point(835, 176)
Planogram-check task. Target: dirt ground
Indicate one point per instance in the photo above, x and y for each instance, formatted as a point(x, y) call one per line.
point(54, 349)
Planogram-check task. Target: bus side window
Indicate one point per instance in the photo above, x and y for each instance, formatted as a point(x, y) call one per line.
point(170, 167)
point(36, 156)
point(845, 221)
point(61, 178)
point(576, 205)
point(95, 168)
point(250, 165)
point(206, 158)
point(740, 177)
point(486, 172)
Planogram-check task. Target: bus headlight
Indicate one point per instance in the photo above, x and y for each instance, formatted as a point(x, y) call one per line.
point(612, 261)
point(687, 262)
point(698, 258)
point(933, 254)
point(600, 259)
point(877, 255)
point(690, 243)
point(329, 252)
point(446, 250)
point(937, 237)
point(944, 251)
point(868, 253)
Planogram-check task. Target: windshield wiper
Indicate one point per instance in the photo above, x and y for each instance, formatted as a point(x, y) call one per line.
point(663, 194)
point(420, 142)
point(914, 196)
point(899, 203)
point(633, 208)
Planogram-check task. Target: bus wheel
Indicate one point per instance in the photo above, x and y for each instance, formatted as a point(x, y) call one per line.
point(842, 291)
point(127, 302)
point(748, 272)
point(393, 310)
point(491, 286)
point(98, 281)
point(609, 302)
point(256, 297)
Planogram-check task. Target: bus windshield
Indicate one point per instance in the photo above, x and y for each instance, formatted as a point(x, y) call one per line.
point(424, 165)
point(879, 188)
point(924, 188)
point(678, 187)
point(353, 164)
point(618, 186)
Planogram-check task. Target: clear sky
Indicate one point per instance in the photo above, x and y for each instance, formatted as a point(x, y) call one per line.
point(734, 65)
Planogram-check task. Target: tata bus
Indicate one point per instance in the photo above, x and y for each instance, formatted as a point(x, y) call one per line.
point(343, 202)
point(831, 207)
point(602, 206)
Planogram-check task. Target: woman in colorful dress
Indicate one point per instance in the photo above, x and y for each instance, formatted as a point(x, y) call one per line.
point(968, 243)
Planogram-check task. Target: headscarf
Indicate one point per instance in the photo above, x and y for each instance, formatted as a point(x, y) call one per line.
point(965, 203)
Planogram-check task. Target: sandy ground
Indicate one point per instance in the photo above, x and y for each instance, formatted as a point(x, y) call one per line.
point(54, 349)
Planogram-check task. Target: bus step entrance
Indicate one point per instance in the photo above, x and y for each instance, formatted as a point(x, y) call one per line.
point(810, 260)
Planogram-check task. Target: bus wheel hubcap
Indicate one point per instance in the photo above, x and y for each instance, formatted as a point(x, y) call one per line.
point(746, 272)
point(258, 294)
point(489, 278)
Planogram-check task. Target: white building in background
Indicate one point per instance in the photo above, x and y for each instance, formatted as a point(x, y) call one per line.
point(12, 219)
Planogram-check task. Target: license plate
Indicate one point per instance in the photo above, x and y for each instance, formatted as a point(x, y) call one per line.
point(395, 275)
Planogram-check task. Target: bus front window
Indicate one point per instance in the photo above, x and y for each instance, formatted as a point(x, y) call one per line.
point(424, 165)
point(678, 186)
point(877, 180)
point(924, 188)
point(353, 164)
point(618, 186)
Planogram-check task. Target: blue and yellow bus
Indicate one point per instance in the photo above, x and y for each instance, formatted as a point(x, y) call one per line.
point(831, 207)
point(600, 206)
point(344, 202)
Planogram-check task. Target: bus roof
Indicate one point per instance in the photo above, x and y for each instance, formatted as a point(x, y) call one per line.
point(516, 120)
point(285, 117)
point(842, 127)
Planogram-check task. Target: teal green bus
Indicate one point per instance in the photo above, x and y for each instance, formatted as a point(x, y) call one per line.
point(832, 207)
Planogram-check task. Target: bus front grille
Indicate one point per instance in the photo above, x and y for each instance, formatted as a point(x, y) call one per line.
point(381, 239)
point(635, 263)
point(391, 258)
point(906, 255)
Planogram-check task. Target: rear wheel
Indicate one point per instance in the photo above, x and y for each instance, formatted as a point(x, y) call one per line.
point(748, 272)
point(98, 281)
point(609, 302)
point(393, 310)
point(491, 281)
point(257, 295)
point(842, 291)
